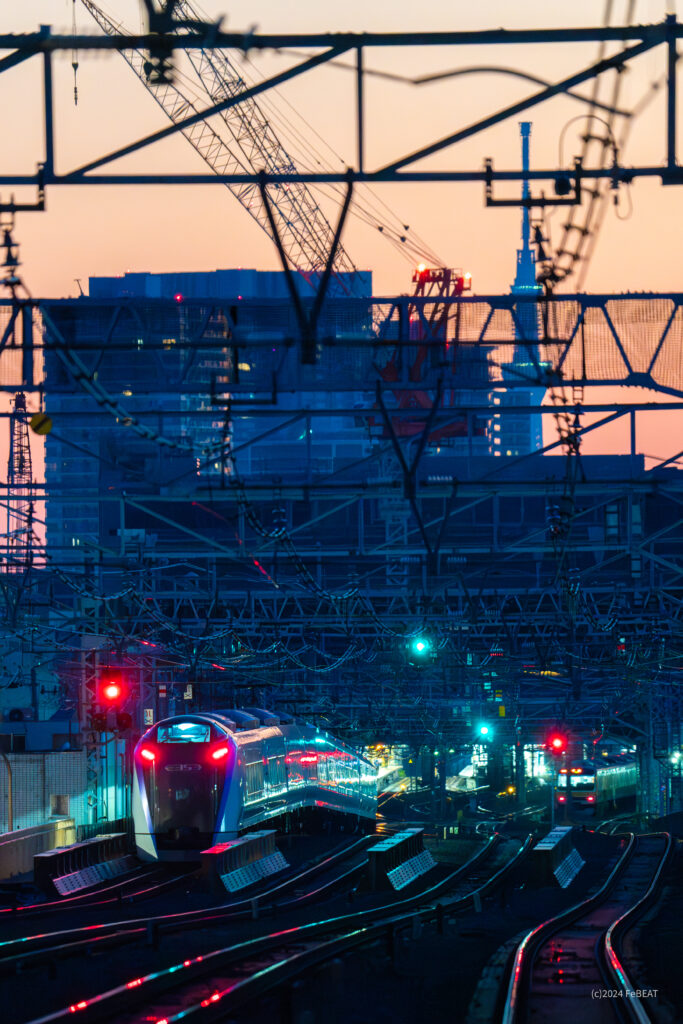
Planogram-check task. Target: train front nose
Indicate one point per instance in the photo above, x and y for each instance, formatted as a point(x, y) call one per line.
point(183, 768)
point(185, 802)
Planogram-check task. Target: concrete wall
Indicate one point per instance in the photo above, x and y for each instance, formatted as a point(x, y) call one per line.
point(17, 849)
point(45, 786)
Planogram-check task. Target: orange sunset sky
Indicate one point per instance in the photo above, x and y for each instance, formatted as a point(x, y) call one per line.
point(100, 231)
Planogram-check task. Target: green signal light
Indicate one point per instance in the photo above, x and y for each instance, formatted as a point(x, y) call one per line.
point(421, 646)
point(485, 730)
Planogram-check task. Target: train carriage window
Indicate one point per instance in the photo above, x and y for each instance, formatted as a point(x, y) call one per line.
point(253, 780)
point(274, 771)
point(294, 767)
point(309, 764)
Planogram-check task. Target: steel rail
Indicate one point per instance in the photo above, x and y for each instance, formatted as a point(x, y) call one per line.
point(527, 950)
point(612, 940)
point(91, 897)
point(84, 936)
point(523, 956)
point(110, 1005)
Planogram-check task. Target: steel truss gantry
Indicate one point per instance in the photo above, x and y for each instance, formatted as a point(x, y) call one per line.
point(556, 602)
point(562, 594)
point(327, 48)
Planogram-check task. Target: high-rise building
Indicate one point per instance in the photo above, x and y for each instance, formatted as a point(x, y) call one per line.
point(523, 433)
point(123, 427)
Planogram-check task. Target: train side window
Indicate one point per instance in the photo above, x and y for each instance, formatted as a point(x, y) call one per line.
point(253, 778)
point(275, 771)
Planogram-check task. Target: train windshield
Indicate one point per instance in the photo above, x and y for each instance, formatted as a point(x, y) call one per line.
point(184, 732)
point(582, 781)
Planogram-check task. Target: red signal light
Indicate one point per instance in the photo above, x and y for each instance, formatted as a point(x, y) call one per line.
point(557, 743)
point(219, 753)
point(178, 297)
point(110, 688)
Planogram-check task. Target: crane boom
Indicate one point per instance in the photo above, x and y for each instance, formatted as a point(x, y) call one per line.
point(305, 233)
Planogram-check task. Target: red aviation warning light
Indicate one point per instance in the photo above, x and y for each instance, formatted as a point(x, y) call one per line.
point(453, 282)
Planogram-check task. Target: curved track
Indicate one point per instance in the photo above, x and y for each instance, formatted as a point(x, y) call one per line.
point(149, 882)
point(34, 950)
point(570, 967)
point(210, 986)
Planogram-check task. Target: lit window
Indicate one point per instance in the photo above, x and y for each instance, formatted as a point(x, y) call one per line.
point(168, 342)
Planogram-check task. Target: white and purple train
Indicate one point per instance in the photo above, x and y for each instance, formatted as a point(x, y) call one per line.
point(202, 779)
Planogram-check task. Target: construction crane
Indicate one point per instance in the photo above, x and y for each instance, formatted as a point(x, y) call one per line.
point(19, 485)
point(305, 233)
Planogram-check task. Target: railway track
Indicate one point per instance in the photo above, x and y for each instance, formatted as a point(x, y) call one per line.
point(35, 950)
point(213, 985)
point(571, 966)
point(151, 882)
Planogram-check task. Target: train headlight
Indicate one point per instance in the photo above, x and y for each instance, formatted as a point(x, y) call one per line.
point(147, 755)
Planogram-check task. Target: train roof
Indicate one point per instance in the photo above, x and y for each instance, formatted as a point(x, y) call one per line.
point(250, 731)
point(603, 762)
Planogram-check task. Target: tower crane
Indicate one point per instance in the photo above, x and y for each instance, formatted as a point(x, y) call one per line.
point(19, 494)
point(304, 232)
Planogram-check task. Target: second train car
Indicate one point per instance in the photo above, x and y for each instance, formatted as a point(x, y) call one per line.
point(202, 779)
point(599, 786)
